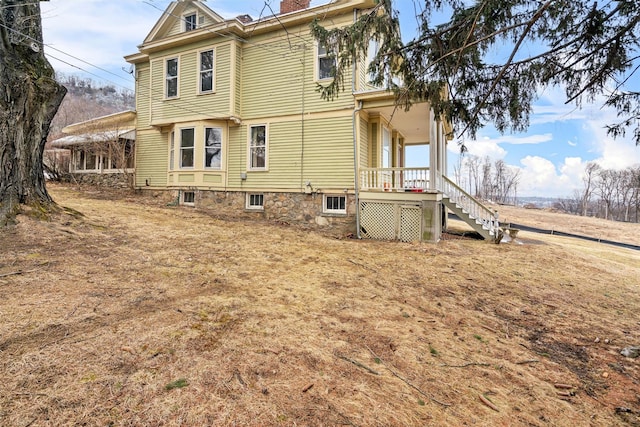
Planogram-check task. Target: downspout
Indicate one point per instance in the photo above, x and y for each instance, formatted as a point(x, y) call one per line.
point(356, 186)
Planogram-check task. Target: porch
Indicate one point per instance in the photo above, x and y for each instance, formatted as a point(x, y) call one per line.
point(407, 204)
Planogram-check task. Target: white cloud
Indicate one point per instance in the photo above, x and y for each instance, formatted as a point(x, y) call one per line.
point(492, 147)
point(540, 177)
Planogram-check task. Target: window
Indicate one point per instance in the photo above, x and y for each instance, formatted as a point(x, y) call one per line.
point(258, 147)
point(79, 160)
point(172, 142)
point(206, 71)
point(172, 78)
point(326, 63)
point(386, 148)
point(188, 198)
point(372, 51)
point(186, 147)
point(190, 22)
point(92, 161)
point(335, 204)
point(212, 148)
point(255, 201)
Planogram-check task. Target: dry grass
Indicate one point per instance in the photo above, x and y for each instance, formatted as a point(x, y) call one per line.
point(140, 314)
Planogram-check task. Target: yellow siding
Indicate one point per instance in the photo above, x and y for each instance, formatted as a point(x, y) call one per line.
point(238, 81)
point(190, 105)
point(278, 75)
point(151, 159)
point(373, 145)
point(328, 153)
point(237, 156)
point(364, 143)
point(143, 95)
point(325, 158)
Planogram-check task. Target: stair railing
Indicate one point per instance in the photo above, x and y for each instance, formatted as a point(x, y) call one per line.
point(469, 204)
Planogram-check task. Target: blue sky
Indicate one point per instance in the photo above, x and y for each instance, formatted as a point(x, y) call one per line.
point(551, 155)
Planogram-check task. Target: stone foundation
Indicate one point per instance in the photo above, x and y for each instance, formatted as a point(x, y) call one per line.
point(113, 180)
point(301, 209)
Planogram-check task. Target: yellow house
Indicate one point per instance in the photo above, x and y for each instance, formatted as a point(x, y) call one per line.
point(229, 119)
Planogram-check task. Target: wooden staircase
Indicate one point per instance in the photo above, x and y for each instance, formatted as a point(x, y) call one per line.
point(479, 217)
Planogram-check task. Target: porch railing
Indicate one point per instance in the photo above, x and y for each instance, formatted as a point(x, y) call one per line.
point(394, 179)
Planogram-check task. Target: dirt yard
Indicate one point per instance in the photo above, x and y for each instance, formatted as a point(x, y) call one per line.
point(128, 312)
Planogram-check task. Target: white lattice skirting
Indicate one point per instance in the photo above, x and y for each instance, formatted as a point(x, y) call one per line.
point(390, 221)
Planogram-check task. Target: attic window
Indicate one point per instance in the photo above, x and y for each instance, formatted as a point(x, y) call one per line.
point(190, 22)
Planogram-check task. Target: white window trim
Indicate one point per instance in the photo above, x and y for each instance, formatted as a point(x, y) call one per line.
point(172, 150)
point(266, 147)
point(251, 207)
point(184, 21)
point(177, 58)
point(213, 72)
point(182, 202)
point(334, 211)
point(317, 65)
point(179, 150)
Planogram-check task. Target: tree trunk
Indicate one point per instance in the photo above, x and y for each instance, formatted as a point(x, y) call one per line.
point(29, 98)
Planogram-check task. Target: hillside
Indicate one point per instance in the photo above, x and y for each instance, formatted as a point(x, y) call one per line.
point(138, 313)
point(87, 99)
point(549, 219)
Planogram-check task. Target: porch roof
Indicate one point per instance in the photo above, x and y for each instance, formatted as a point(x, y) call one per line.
point(87, 138)
point(412, 124)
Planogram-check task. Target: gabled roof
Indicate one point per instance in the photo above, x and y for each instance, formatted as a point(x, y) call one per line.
point(172, 16)
point(168, 31)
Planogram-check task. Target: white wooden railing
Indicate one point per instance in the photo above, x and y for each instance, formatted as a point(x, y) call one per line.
point(394, 179)
point(475, 209)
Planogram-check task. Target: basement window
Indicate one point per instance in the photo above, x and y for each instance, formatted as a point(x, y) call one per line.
point(188, 198)
point(255, 202)
point(335, 204)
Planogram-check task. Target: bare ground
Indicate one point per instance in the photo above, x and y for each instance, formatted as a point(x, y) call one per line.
point(135, 314)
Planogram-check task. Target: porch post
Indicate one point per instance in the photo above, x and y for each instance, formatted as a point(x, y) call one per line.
point(433, 152)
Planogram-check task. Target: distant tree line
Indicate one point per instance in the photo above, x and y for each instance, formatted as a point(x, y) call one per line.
point(496, 181)
point(606, 193)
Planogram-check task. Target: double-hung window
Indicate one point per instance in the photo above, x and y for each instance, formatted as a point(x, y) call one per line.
point(171, 78)
point(326, 63)
point(258, 147)
point(186, 147)
point(206, 71)
point(190, 22)
point(212, 148)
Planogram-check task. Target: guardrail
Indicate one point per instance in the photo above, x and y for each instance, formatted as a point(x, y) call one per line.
point(394, 179)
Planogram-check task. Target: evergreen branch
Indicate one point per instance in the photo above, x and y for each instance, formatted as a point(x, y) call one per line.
point(508, 62)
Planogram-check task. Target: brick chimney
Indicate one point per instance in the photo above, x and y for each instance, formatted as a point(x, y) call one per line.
point(287, 6)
